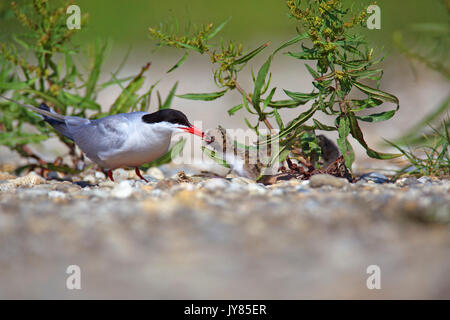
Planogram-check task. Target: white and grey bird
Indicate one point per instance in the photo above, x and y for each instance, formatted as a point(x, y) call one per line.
point(120, 140)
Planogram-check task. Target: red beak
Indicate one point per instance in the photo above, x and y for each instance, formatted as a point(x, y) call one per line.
point(194, 130)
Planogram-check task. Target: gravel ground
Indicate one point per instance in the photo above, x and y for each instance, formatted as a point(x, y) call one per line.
point(182, 236)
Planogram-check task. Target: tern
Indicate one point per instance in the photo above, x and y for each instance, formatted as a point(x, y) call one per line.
point(121, 140)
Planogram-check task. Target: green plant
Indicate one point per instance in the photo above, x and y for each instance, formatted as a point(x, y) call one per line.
point(59, 76)
point(342, 61)
point(432, 158)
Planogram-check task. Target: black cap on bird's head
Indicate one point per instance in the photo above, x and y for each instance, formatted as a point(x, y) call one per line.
point(172, 116)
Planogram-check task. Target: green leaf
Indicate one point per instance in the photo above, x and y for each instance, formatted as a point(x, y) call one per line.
point(375, 92)
point(302, 98)
point(187, 46)
point(127, 98)
point(365, 103)
point(370, 74)
point(79, 102)
point(292, 41)
point(213, 155)
point(302, 118)
point(283, 152)
point(376, 117)
point(324, 127)
point(304, 55)
point(180, 62)
point(217, 30)
point(13, 139)
point(235, 108)
point(356, 132)
point(284, 104)
point(13, 85)
point(342, 142)
point(312, 72)
point(146, 97)
point(168, 102)
point(251, 54)
point(46, 97)
point(259, 83)
point(268, 98)
point(202, 96)
point(94, 73)
point(278, 119)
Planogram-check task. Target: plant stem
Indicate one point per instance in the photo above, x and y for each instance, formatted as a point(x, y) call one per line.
point(241, 91)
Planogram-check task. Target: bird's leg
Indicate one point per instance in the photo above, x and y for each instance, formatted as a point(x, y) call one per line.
point(139, 174)
point(110, 175)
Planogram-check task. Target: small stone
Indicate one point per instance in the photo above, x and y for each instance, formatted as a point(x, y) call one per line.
point(56, 195)
point(374, 177)
point(120, 175)
point(255, 188)
point(30, 179)
point(90, 178)
point(319, 180)
point(100, 176)
point(425, 179)
point(407, 181)
point(122, 190)
point(155, 173)
point(55, 175)
point(107, 184)
point(216, 184)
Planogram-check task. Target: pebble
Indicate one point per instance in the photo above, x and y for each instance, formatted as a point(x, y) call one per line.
point(122, 190)
point(100, 176)
point(120, 175)
point(215, 184)
point(54, 175)
point(319, 180)
point(30, 179)
point(256, 189)
point(407, 181)
point(155, 173)
point(90, 178)
point(425, 179)
point(374, 177)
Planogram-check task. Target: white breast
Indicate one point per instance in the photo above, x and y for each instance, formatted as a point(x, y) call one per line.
point(143, 143)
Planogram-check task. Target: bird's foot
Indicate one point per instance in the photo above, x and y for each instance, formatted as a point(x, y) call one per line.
point(139, 174)
point(110, 175)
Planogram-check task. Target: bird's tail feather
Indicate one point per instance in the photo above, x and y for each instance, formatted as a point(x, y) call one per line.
point(52, 115)
point(58, 125)
point(57, 121)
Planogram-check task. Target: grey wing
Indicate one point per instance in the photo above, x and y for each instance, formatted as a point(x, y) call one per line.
point(101, 138)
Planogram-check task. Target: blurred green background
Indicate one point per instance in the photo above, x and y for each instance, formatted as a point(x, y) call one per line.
point(127, 22)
